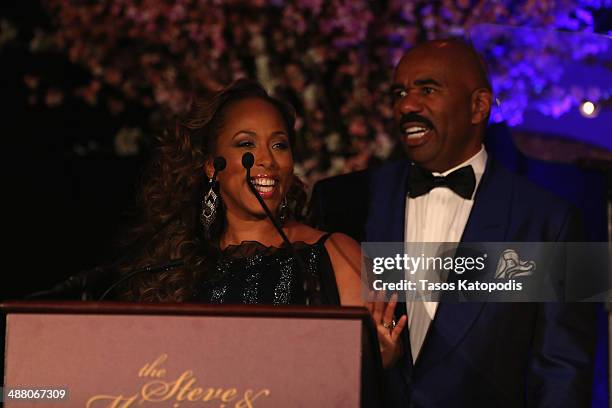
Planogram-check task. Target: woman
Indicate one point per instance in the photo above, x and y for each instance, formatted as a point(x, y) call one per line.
point(231, 251)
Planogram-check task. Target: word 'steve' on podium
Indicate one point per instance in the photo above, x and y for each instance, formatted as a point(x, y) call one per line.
point(122, 355)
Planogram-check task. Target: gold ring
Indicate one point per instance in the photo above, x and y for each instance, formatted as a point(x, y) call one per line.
point(390, 325)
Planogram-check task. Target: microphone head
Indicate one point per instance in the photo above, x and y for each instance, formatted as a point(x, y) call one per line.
point(248, 160)
point(219, 163)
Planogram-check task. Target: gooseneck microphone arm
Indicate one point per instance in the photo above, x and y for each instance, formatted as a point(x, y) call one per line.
point(310, 289)
point(149, 269)
point(247, 162)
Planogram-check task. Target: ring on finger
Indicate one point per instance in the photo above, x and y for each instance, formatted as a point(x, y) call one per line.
point(390, 325)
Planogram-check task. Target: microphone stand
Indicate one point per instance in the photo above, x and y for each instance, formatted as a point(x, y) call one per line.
point(149, 268)
point(247, 162)
point(78, 282)
point(84, 280)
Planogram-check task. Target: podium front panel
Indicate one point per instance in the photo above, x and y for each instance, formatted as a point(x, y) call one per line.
point(126, 361)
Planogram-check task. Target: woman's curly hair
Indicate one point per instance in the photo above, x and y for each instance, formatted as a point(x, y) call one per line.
point(171, 199)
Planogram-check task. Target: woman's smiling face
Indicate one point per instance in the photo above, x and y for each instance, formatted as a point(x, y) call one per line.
point(253, 125)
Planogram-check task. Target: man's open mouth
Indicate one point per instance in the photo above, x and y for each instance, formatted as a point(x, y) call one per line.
point(415, 132)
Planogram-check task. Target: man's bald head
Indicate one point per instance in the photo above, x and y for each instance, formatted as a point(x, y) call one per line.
point(460, 55)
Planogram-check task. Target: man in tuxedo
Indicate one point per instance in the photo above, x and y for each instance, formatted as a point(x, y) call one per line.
point(463, 354)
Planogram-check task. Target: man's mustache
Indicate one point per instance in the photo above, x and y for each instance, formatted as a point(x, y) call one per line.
point(414, 117)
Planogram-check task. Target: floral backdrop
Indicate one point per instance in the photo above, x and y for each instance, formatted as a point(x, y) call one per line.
point(332, 60)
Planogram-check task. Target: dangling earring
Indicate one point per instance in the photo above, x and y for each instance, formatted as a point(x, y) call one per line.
point(210, 203)
point(283, 210)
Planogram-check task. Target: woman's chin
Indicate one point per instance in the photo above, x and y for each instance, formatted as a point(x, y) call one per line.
point(251, 209)
point(260, 215)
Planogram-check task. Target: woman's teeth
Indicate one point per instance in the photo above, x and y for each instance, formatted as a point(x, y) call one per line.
point(415, 132)
point(264, 185)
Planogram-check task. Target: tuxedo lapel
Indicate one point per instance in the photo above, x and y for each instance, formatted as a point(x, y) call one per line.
point(488, 222)
point(387, 201)
point(490, 216)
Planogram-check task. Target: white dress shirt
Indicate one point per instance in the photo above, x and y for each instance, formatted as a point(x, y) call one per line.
point(438, 216)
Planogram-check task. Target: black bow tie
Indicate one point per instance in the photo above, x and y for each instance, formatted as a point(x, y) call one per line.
point(462, 181)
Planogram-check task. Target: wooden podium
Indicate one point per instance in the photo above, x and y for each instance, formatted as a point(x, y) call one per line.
point(121, 355)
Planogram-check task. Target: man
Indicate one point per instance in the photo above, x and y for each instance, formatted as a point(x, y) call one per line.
point(466, 354)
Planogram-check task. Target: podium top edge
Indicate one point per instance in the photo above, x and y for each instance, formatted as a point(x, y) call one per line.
point(182, 309)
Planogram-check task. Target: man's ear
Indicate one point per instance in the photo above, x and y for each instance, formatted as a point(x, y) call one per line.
point(482, 99)
point(209, 168)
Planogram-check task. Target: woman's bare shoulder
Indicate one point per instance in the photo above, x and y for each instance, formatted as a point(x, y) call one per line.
point(310, 235)
point(299, 232)
point(345, 256)
point(342, 244)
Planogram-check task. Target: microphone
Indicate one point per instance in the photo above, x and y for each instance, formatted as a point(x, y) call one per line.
point(247, 162)
point(219, 164)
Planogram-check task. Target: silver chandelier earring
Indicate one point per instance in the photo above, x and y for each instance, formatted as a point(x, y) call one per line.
point(210, 203)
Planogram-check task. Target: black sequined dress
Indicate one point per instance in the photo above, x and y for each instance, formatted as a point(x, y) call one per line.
point(252, 273)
